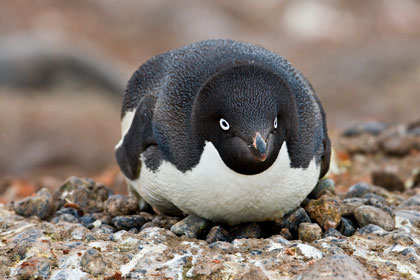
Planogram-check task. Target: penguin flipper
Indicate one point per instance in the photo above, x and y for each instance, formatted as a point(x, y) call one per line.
point(137, 139)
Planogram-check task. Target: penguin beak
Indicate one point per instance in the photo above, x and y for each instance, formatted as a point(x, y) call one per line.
point(260, 145)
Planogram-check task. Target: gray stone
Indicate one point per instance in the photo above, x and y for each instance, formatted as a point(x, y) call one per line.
point(411, 215)
point(93, 262)
point(39, 205)
point(358, 190)
point(322, 187)
point(413, 201)
point(372, 215)
point(348, 205)
point(336, 267)
point(128, 222)
point(120, 205)
point(347, 227)
point(398, 145)
point(294, 219)
point(371, 228)
point(332, 232)
point(65, 218)
point(191, 226)
point(217, 233)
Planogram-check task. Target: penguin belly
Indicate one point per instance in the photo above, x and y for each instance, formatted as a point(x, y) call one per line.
point(212, 190)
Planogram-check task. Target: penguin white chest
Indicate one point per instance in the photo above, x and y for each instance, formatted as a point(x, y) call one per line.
point(214, 191)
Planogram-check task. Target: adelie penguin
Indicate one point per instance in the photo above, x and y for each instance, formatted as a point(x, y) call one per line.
point(225, 130)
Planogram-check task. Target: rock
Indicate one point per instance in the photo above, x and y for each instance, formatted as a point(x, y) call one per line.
point(347, 227)
point(332, 232)
point(217, 233)
point(358, 190)
point(24, 241)
point(85, 193)
point(65, 218)
point(120, 205)
point(372, 215)
point(348, 205)
point(104, 229)
point(250, 230)
point(285, 232)
point(324, 186)
point(70, 211)
point(292, 220)
point(375, 197)
point(374, 128)
point(128, 222)
point(398, 145)
point(336, 267)
point(39, 205)
point(326, 211)
point(379, 203)
point(309, 232)
point(413, 201)
point(33, 268)
point(371, 228)
point(411, 215)
point(191, 226)
point(93, 262)
point(388, 180)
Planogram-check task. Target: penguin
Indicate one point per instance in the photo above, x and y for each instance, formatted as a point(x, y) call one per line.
point(224, 130)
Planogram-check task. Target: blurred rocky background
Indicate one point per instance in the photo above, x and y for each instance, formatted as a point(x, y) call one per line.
point(64, 64)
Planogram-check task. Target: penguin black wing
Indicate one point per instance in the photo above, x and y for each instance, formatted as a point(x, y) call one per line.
point(138, 138)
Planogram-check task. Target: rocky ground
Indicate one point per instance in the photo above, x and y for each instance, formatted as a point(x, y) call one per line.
point(363, 222)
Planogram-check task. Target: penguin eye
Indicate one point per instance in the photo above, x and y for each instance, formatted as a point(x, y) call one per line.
point(224, 124)
point(275, 123)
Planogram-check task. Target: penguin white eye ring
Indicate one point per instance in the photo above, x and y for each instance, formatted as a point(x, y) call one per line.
point(275, 123)
point(224, 124)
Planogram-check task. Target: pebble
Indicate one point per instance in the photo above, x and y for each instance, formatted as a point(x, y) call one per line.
point(85, 193)
point(93, 262)
point(371, 228)
point(348, 205)
point(379, 203)
point(411, 215)
point(373, 127)
point(69, 210)
point(104, 229)
point(413, 201)
point(324, 186)
point(332, 232)
point(285, 232)
point(34, 268)
point(120, 205)
point(358, 190)
point(128, 222)
point(217, 233)
point(249, 230)
point(39, 205)
point(191, 226)
point(372, 215)
point(398, 145)
point(22, 242)
point(309, 232)
point(336, 267)
point(347, 227)
point(292, 220)
point(388, 180)
point(65, 218)
point(165, 222)
point(326, 211)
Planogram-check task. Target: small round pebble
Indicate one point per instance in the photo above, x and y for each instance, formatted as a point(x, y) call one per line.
point(322, 187)
point(372, 215)
point(292, 220)
point(388, 180)
point(358, 190)
point(250, 230)
point(347, 227)
point(191, 226)
point(217, 233)
point(309, 232)
point(332, 232)
point(40, 205)
point(128, 222)
point(120, 205)
point(93, 262)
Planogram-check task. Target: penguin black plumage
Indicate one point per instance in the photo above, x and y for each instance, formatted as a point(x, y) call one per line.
point(225, 130)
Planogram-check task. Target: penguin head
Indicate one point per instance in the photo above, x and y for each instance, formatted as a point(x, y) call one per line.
point(247, 112)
